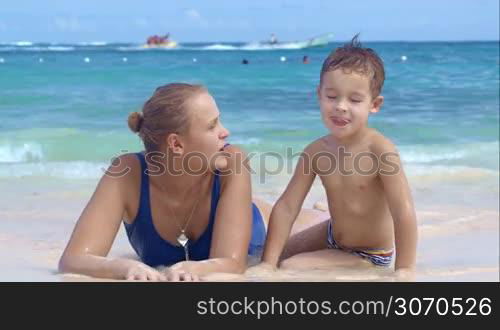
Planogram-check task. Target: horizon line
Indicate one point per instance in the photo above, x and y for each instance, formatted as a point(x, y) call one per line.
point(241, 41)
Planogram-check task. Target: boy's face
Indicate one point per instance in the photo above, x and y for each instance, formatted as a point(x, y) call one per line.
point(346, 101)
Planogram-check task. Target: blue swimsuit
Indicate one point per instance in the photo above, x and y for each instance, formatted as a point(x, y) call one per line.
point(155, 251)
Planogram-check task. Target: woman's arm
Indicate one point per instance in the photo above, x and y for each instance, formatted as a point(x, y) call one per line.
point(97, 227)
point(233, 221)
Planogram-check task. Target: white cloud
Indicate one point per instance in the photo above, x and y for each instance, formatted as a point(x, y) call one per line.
point(193, 14)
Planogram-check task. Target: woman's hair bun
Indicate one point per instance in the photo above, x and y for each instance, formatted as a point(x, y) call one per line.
point(135, 120)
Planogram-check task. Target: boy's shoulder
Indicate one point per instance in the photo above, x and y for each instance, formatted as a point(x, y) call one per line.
point(379, 144)
point(320, 144)
point(376, 142)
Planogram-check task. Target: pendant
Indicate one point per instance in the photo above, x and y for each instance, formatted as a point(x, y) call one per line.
point(183, 240)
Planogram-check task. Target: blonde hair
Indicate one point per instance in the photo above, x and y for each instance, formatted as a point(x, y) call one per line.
point(165, 112)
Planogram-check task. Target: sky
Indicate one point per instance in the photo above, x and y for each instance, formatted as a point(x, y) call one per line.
point(247, 20)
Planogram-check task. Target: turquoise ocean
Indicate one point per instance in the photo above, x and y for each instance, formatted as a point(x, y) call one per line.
point(64, 106)
point(64, 109)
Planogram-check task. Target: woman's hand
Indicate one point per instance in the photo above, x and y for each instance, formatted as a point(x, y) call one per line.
point(141, 272)
point(180, 272)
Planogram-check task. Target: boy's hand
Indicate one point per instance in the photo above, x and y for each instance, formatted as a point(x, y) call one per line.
point(264, 268)
point(405, 275)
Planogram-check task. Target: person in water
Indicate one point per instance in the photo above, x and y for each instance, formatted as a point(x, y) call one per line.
point(273, 40)
point(184, 201)
point(155, 40)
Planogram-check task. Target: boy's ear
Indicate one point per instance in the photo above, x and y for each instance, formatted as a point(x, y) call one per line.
point(377, 104)
point(175, 144)
point(318, 91)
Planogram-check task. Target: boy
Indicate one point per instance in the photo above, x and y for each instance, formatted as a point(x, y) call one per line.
point(370, 203)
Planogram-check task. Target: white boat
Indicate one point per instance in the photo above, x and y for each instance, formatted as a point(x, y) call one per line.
point(312, 42)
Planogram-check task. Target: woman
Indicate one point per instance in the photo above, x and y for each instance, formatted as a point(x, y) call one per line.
point(185, 202)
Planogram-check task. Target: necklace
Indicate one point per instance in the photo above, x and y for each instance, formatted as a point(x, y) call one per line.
point(182, 239)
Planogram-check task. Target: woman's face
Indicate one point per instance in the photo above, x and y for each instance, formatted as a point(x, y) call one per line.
point(206, 135)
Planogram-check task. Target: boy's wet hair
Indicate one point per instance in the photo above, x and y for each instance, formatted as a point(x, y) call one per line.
point(354, 57)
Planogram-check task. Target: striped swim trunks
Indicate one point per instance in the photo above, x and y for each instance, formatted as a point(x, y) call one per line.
point(379, 257)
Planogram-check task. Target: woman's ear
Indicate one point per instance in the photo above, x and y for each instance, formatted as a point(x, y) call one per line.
point(377, 104)
point(175, 144)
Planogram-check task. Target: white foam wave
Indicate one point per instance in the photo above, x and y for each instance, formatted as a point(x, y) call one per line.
point(220, 47)
point(438, 153)
point(131, 48)
point(28, 152)
point(249, 46)
point(22, 43)
point(40, 49)
point(428, 157)
point(263, 46)
point(249, 141)
point(61, 170)
point(60, 48)
point(93, 43)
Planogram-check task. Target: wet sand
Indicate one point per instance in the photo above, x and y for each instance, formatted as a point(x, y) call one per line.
point(457, 241)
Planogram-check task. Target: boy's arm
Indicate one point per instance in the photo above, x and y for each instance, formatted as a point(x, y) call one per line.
point(287, 208)
point(400, 203)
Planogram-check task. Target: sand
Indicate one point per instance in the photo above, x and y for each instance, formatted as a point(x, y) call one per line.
point(458, 234)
